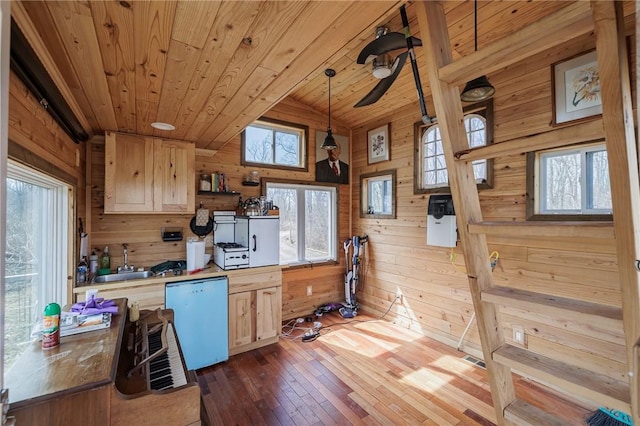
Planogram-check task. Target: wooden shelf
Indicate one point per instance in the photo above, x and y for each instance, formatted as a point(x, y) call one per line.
point(553, 305)
point(218, 193)
point(598, 388)
point(249, 183)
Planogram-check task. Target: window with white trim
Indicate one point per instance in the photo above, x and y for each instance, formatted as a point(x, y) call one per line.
point(571, 181)
point(275, 143)
point(308, 221)
point(430, 166)
point(36, 258)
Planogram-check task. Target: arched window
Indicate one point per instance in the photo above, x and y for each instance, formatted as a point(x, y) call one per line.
point(431, 166)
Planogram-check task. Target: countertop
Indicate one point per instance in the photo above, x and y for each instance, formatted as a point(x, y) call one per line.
point(81, 361)
point(213, 271)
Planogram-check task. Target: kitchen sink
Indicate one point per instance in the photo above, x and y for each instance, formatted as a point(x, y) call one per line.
point(123, 276)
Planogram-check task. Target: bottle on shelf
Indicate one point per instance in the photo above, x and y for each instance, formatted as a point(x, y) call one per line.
point(240, 208)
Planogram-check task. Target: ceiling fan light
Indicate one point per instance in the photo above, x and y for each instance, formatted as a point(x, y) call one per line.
point(477, 89)
point(329, 141)
point(382, 66)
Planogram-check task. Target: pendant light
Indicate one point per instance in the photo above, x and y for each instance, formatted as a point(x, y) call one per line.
point(479, 88)
point(329, 142)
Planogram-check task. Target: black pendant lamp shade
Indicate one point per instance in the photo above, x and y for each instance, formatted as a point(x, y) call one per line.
point(329, 141)
point(479, 88)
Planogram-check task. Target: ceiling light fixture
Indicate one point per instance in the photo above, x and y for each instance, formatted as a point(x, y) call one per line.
point(163, 126)
point(329, 141)
point(382, 65)
point(479, 88)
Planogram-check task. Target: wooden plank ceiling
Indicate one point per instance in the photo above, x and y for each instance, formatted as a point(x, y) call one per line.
point(212, 67)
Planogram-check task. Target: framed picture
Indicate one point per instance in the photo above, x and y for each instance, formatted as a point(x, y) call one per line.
point(576, 89)
point(325, 160)
point(378, 144)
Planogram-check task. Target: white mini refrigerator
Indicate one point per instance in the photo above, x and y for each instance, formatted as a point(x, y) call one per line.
point(201, 319)
point(261, 234)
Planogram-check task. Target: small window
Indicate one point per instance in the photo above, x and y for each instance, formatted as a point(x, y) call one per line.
point(272, 143)
point(430, 166)
point(308, 222)
point(377, 197)
point(570, 183)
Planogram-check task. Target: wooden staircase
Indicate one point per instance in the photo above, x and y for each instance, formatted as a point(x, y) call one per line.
point(617, 128)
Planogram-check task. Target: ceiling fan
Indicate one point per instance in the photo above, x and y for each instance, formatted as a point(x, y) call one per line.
point(377, 52)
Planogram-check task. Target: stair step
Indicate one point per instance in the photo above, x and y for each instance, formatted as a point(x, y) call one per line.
point(522, 413)
point(553, 305)
point(598, 388)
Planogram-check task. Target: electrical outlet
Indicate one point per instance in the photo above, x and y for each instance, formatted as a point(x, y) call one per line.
point(309, 290)
point(519, 336)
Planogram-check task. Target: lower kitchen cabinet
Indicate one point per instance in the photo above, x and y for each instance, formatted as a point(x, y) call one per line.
point(255, 311)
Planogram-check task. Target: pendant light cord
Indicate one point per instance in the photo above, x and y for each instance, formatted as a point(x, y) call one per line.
point(329, 103)
point(475, 25)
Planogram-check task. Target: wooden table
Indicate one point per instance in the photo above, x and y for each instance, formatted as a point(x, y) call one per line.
point(70, 382)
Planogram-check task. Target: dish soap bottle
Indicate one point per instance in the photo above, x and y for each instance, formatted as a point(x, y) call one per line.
point(105, 262)
point(81, 276)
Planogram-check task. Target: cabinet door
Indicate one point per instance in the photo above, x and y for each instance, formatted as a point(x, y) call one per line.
point(241, 319)
point(264, 241)
point(174, 177)
point(268, 312)
point(128, 185)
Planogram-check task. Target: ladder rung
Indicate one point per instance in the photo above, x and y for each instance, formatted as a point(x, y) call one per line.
point(552, 305)
point(598, 388)
point(522, 413)
point(544, 229)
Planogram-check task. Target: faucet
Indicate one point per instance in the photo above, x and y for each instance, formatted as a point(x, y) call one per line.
point(126, 267)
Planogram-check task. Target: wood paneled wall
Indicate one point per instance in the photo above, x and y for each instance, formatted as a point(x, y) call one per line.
point(142, 232)
point(432, 280)
point(35, 139)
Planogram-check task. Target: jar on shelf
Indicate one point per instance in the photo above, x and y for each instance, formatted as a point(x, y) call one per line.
point(205, 182)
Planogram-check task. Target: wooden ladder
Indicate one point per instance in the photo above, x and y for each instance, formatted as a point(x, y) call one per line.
point(616, 126)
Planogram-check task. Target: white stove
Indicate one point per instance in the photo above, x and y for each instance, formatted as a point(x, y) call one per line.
point(231, 255)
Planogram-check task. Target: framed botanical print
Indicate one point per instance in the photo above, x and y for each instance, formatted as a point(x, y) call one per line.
point(378, 144)
point(576, 89)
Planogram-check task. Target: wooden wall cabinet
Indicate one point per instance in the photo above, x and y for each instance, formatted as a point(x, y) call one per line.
point(148, 175)
point(255, 311)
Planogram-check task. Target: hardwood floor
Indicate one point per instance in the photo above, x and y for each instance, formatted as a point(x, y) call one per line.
point(360, 371)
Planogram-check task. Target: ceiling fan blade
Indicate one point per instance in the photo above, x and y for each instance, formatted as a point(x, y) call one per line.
point(384, 44)
point(384, 84)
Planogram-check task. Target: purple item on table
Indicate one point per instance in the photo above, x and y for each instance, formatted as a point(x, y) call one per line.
point(95, 305)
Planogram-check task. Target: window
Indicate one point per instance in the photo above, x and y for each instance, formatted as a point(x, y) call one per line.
point(36, 255)
point(430, 166)
point(571, 182)
point(275, 143)
point(377, 197)
point(308, 221)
